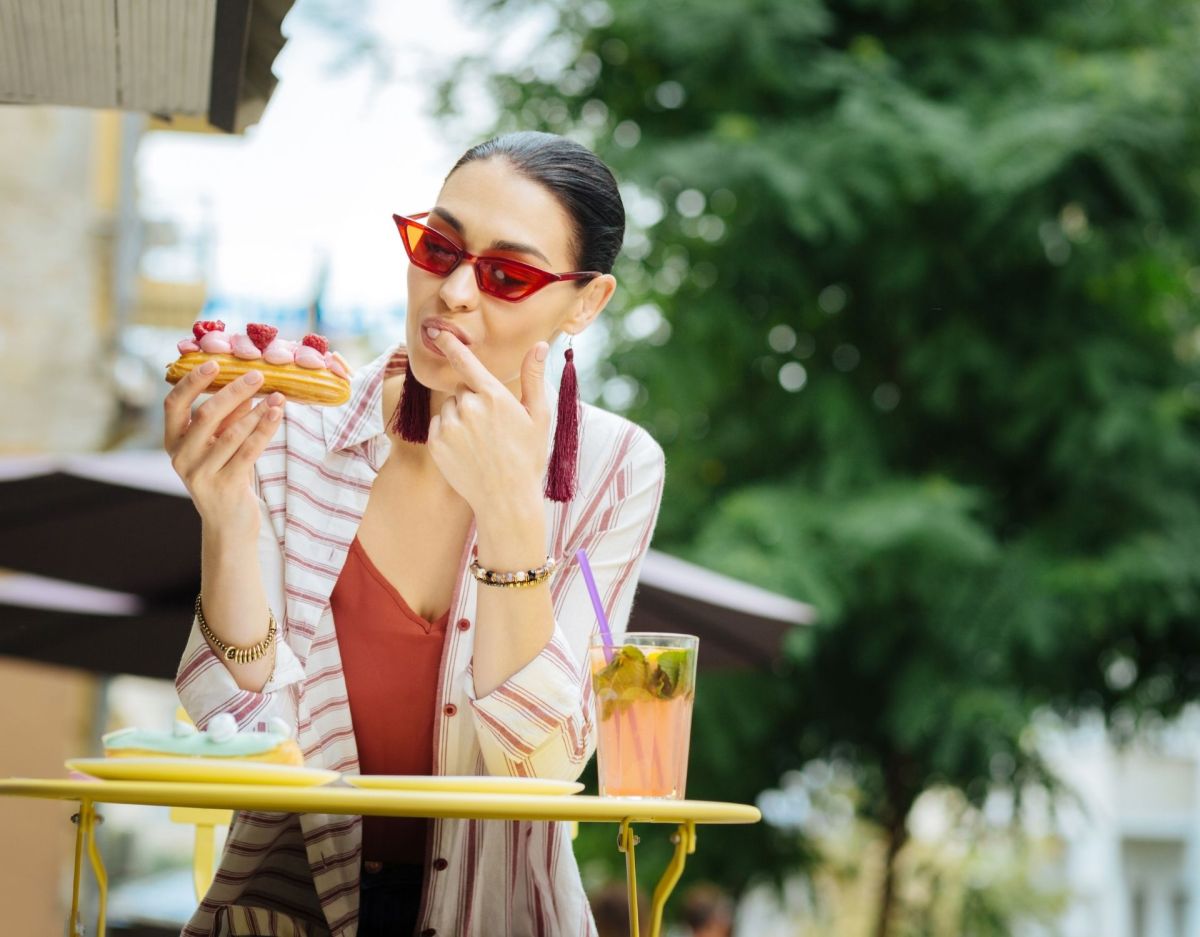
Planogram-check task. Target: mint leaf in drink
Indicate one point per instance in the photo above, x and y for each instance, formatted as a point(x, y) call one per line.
point(675, 669)
point(629, 681)
point(632, 677)
point(624, 680)
point(662, 686)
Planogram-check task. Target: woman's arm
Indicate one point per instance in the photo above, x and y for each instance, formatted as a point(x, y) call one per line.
point(527, 681)
point(536, 720)
point(491, 448)
point(214, 448)
point(513, 624)
point(207, 684)
point(234, 600)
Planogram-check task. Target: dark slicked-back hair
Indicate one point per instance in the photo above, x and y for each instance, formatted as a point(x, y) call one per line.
point(578, 178)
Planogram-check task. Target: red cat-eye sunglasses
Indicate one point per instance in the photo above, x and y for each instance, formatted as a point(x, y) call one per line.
point(505, 279)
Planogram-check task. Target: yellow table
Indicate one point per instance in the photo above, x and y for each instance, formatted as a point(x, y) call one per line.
point(342, 799)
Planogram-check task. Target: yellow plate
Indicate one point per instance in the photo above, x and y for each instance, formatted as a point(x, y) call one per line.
point(462, 784)
point(200, 770)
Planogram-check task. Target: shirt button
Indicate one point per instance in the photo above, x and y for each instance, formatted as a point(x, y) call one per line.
point(464, 624)
point(450, 709)
point(440, 865)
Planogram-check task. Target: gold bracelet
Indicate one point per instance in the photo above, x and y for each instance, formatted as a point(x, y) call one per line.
point(516, 580)
point(239, 655)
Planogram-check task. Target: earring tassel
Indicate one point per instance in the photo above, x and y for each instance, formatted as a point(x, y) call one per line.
point(560, 479)
point(411, 420)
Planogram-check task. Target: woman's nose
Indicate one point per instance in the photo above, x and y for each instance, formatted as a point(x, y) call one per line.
point(459, 289)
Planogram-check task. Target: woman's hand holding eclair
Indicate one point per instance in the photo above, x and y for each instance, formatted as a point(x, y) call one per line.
point(213, 447)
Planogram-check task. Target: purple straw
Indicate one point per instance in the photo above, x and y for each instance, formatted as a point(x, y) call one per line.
point(605, 633)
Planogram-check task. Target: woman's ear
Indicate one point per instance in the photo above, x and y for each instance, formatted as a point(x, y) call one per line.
point(592, 300)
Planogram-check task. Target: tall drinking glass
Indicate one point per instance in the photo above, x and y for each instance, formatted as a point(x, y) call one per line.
point(644, 685)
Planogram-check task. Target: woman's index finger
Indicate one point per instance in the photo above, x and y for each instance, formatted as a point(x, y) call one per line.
point(177, 407)
point(463, 360)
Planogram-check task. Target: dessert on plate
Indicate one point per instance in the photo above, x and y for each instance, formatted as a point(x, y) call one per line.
point(221, 740)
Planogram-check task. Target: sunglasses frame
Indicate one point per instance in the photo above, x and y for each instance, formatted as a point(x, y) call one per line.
point(539, 278)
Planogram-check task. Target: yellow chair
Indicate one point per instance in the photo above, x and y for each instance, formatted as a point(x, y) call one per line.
point(206, 821)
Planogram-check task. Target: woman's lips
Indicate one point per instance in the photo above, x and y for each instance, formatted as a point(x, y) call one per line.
point(439, 324)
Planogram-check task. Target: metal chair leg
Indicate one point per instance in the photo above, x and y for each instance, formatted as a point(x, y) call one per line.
point(204, 854)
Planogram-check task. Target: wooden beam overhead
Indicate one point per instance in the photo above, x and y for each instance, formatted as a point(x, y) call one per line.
point(169, 58)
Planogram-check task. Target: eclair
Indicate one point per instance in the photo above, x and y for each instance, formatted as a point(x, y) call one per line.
point(304, 372)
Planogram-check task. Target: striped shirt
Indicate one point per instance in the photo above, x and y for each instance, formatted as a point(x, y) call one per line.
point(286, 874)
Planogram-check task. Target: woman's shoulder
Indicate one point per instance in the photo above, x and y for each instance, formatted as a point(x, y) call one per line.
point(610, 440)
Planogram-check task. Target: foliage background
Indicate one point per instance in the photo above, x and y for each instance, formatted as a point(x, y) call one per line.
point(910, 298)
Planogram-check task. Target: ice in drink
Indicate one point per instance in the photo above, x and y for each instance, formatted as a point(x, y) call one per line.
point(644, 691)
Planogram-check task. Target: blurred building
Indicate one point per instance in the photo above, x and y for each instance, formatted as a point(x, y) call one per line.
point(59, 184)
point(90, 80)
point(1133, 840)
point(46, 716)
point(93, 78)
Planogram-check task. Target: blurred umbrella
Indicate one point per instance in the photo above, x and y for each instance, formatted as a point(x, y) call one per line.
point(120, 521)
point(104, 553)
point(739, 625)
point(93, 629)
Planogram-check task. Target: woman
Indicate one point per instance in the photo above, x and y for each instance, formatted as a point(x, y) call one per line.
point(370, 532)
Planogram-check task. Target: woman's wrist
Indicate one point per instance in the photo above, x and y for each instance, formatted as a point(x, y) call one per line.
point(512, 534)
point(230, 532)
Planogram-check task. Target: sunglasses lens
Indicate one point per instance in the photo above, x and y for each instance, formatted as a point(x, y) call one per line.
point(507, 280)
point(429, 250)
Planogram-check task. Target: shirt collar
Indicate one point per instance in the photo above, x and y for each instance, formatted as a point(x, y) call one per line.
point(361, 417)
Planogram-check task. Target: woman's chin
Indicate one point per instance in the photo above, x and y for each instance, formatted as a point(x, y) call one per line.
point(428, 372)
point(426, 361)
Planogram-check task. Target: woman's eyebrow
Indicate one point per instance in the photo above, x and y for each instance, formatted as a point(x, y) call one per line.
point(512, 247)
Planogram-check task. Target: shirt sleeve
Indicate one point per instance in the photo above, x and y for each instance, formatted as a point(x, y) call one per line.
point(539, 722)
point(205, 685)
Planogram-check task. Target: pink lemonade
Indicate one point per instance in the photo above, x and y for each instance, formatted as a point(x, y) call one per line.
point(644, 695)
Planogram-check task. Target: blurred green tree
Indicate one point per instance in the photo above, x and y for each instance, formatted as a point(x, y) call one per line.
point(910, 299)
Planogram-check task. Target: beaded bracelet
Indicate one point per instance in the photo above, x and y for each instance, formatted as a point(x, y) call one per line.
point(515, 580)
point(239, 655)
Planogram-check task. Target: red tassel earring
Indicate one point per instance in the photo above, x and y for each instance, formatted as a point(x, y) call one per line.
point(411, 419)
point(564, 458)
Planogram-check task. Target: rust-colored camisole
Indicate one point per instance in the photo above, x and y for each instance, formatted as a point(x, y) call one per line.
point(390, 658)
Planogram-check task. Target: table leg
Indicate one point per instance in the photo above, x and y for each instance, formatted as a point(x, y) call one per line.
point(99, 871)
point(75, 923)
point(626, 841)
point(684, 839)
point(85, 831)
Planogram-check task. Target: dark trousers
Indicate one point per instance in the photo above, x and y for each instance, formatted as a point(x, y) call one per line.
point(389, 900)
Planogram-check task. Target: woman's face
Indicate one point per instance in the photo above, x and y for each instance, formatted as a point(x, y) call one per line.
point(488, 208)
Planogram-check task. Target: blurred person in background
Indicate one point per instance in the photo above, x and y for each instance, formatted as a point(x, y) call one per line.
point(610, 908)
point(372, 533)
point(707, 911)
